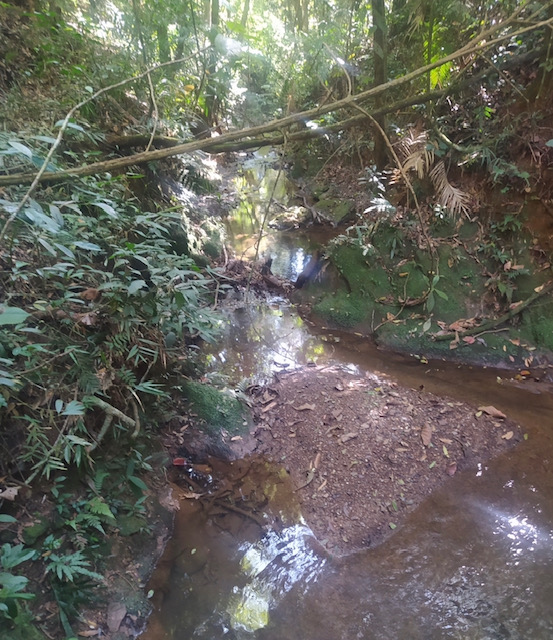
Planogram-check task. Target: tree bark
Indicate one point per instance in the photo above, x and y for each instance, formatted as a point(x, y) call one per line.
point(380, 77)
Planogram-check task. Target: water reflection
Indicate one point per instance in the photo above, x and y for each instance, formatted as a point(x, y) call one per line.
point(473, 562)
point(274, 565)
point(261, 339)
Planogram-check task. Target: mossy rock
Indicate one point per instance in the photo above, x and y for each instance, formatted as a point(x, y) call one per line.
point(336, 210)
point(33, 533)
point(217, 410)
point(409, 281)
point(128, 524)
point(409, 337)
point(362, 273)
point(344, 310)
point(537, 325)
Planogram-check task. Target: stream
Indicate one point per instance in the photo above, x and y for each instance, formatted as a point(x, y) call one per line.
point(473, 561)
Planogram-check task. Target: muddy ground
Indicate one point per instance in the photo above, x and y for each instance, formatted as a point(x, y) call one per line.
point(362, 452)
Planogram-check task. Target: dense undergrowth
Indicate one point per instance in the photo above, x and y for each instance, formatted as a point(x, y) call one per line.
point(101, 297)
point(105, 281)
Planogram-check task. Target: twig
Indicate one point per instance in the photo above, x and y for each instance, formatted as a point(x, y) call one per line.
point(42, 364)
point(155, 113)
point(111, 413)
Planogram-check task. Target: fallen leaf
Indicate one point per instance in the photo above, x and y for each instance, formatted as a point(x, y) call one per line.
point(269, 406)
point(492, 411)
point(348, 436)
point(317, 461)
point(515, 341)
point(190, 495)
point(451, 469)
point(525, 372)
point(508, 435)
point(179, 462)
point(426, 435)
point(304, 407)
point(445, 451)
point(507, 265)
point(90, 294)
point(446, 440)
point(10, 493)
point(469, 339)
point(322, 485)
point(89, 633)
point(116, 612)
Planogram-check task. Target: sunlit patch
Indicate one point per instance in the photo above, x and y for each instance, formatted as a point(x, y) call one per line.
point(273, 565)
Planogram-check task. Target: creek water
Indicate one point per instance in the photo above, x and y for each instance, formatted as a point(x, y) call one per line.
point(473, 561)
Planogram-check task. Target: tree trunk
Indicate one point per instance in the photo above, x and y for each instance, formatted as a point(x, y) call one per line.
point(164, 50)
point(380, 77)
point(245, 14)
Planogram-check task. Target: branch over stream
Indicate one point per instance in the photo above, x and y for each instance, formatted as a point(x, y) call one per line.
point(477, 44)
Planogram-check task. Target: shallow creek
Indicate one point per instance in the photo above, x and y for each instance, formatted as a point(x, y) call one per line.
point(474, 561)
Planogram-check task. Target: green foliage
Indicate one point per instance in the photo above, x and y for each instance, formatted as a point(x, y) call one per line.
point(343, 310)
point(105, 286)
point(13, 586)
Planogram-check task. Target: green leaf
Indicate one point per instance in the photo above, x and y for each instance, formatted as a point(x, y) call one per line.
point(21, 148)
point(87, 246)
point(138, 482)
point(12, 315)
point(549, 143)
point(81, 442)
point(70, 125)
point(64, 250)
point(99, 507)
point(426, 326)
point(4, 517)
point(442, 294)
point(135, 286)
point(106, 208)
point(74, 408)
point(430, 301)
point(11, 556)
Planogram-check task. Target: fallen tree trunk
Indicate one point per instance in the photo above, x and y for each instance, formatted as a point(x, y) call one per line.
point(479, 43)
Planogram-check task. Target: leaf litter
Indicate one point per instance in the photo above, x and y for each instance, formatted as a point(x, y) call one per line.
point(369, 451)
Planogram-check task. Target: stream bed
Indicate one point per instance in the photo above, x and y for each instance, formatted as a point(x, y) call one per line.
point(473, 561)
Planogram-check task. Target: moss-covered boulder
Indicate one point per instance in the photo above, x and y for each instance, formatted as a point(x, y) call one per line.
point(217, 410)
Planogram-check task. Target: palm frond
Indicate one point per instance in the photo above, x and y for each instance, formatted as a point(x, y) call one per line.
point(450, 197)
